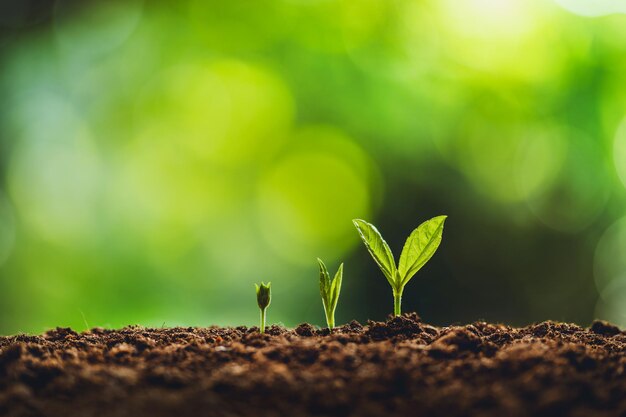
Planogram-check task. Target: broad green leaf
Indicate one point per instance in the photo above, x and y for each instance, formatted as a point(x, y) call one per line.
point(420, 247)
point(378, 248)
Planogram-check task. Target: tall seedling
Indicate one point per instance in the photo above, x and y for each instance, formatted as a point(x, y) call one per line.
point(418, 249)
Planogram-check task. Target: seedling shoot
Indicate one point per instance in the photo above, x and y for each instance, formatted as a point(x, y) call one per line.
point(329, 290)
point(263, 299)
point(418, 249)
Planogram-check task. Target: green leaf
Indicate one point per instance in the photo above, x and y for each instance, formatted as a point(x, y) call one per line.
point(329, 290)
point(378, 248)
point(420, 247)
point(324, 281)
point(336, 288)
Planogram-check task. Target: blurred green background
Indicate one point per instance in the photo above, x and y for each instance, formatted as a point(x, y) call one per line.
point(158, 158)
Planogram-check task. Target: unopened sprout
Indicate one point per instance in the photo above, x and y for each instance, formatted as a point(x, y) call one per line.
point(263, 299)
point(418, 249)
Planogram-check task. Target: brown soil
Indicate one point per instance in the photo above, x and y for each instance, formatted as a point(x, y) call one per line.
point(400, 367)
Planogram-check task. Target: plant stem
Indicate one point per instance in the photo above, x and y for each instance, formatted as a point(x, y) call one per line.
point(262, 327)
point(330, 318)
point(397, 301)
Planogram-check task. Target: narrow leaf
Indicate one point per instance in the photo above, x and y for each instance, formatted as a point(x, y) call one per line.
point(324, 281)
point(420, 247)
point(378, 248)
point(336, 288)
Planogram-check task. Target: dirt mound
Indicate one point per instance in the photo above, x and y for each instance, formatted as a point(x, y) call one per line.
point(399, 367)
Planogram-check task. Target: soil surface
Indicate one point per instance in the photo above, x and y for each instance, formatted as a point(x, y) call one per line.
point(401, 367)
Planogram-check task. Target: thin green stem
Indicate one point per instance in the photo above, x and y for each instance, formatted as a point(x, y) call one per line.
point(262, 327)
point(330, 320)
point(397, 302)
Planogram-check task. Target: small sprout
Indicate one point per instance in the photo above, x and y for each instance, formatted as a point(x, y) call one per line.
point(418, 249)
point(329, 289)
point(263, 299)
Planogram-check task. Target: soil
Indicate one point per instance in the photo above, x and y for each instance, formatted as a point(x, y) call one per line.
point(399, 367)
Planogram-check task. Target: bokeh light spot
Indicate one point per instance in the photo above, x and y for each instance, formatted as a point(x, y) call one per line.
point(502, 19)
point(580, 190)
point(307, 200)
point(611, 305)
point(511, 161)
point(54, 173)
point(166, 196)
point(609, 259)
point(228, 112)
point(490, 36)
point(593, 8)
point(541, 155)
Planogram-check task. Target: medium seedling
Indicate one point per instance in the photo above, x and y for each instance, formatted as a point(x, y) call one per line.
point(329, 290)
point(418, 249)
point(263, 299)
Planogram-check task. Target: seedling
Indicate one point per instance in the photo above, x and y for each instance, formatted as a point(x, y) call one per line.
point(263, 299)
point(329, 290)
point(418, 249)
